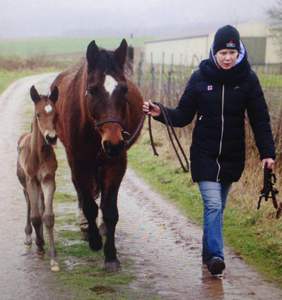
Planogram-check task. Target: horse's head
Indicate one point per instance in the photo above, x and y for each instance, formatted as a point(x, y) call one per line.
point(46, 113)
point(106, 90)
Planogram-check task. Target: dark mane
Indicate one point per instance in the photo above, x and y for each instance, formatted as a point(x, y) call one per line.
point(107, 62)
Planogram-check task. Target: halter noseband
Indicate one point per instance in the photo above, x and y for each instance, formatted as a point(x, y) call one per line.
point(112, 120)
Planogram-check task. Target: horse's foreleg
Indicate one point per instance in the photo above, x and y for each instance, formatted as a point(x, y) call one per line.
point(83, 179)
point(111, 177)
point(35, 193)
point(48, 188)
point(28, 227)
point(90, 210)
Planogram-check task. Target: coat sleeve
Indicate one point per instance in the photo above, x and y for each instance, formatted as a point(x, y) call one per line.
point(187, 107)
point(260, 121)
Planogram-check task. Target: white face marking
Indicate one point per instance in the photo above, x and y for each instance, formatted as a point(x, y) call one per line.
point(110, 84)
point(48, 108)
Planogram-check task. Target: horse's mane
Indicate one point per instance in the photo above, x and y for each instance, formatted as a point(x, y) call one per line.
point(107, 61)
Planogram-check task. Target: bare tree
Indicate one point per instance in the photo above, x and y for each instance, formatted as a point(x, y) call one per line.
point(275, 16)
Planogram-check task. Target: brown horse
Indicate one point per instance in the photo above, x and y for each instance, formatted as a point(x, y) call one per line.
point(98, 108)
point(36, 167)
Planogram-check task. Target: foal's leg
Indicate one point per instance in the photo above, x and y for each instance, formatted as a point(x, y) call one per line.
point(48, 188)
point(34, 192)
point(110, 178)
point(28, 227)
point(83, 179)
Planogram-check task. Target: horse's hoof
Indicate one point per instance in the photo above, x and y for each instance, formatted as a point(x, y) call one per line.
point(112, 266)
point(27, 245)
point(85, 236)
point(103, 229)
point(55, 268)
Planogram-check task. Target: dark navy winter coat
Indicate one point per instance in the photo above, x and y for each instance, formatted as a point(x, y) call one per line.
point(219, 99)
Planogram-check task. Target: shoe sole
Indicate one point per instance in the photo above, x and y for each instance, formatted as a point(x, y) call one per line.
point(216, 267)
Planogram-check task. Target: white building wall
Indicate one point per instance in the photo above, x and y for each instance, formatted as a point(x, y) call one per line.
point(272, 55)
point(184, 51)
point(190, 50)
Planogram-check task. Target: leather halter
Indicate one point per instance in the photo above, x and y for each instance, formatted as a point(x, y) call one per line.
point(111, 120)
point(115, 120)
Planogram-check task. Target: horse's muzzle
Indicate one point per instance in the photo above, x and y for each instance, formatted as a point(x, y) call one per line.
point(113, 150)
point(51, 140)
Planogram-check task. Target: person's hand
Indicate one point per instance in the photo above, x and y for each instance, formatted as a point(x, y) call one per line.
point(269, 162)
point(152, 109)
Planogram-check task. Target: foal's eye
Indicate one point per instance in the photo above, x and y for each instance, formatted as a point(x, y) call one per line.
point(38, 116)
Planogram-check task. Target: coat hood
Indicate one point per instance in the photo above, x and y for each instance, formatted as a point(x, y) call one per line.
point(238, 72)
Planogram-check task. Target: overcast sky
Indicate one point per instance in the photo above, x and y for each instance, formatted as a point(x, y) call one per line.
point(36, 18)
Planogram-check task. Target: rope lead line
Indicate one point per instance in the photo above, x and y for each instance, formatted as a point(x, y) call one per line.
point(171, 134)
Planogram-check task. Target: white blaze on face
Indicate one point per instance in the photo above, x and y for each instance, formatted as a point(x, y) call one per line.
point(48, 108)
point(110, 84)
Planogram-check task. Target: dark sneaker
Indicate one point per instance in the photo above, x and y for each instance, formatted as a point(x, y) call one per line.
point(216, 266)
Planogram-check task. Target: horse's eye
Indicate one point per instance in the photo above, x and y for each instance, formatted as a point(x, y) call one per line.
point(123, 88)
point(94, 91)
point(38, 116)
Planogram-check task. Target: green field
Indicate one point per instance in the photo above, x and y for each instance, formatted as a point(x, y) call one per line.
point(53, 46)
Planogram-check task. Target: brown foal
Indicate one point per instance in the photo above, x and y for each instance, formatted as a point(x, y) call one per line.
point(36, 167)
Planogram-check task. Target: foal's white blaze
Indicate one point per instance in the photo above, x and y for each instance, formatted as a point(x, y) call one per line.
point(110, 84)
point(48, 108)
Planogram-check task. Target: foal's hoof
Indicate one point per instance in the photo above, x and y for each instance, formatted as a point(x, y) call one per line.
point(27, 245)
point(41, 254)
point(55, 268)
point(112, 266)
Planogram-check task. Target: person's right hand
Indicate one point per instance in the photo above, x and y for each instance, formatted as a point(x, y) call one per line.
point(151, 109)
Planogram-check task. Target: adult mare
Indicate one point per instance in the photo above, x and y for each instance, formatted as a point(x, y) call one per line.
point(100, 111)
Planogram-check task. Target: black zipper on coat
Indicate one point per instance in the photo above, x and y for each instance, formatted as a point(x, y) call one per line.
point(221, 137)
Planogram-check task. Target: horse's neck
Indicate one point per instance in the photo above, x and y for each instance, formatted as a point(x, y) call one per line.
point(37, 139)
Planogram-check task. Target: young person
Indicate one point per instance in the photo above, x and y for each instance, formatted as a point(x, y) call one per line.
point(219, 93)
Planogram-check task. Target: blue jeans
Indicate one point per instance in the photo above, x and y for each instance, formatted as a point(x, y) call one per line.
point(214, 195)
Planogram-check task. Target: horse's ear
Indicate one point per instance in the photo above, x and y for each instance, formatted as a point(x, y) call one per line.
point(92, 54)
point(54, 94)
point(34, 94)
point(121, 53)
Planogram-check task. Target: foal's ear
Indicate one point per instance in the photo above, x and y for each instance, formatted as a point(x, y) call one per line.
point(92, 54)
point(121, 53)
point(34, 94)
point(54, 94)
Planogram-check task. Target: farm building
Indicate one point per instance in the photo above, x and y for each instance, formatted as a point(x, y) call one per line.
point(191, 49)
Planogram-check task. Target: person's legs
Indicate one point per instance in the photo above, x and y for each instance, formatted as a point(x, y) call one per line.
point(214, 196)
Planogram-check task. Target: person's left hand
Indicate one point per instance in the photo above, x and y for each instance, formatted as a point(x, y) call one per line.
point(269, 162)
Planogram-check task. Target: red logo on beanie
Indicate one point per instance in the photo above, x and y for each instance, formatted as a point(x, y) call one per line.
point(231, 44)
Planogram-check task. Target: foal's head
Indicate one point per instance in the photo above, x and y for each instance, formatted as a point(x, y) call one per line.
point(106, 95)
point(46, 113)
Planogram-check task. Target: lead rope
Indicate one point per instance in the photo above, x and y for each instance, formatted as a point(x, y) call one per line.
point(171, 134)
point(128, 142)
